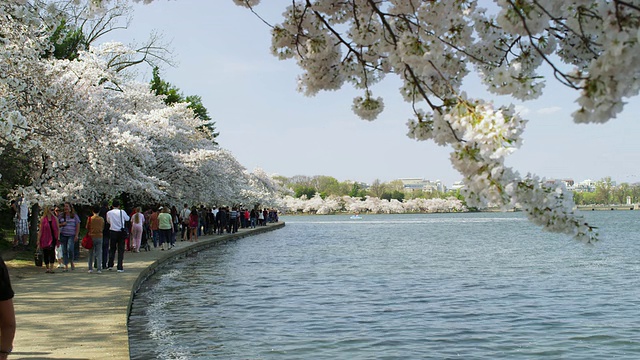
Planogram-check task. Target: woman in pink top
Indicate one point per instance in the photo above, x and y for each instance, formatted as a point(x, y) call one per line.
point(48, 237)
point(136, 229)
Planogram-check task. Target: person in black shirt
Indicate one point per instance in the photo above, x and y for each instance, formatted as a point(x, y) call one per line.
point(7, 313)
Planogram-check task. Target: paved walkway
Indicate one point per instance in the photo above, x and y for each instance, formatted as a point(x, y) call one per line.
point(77, 315)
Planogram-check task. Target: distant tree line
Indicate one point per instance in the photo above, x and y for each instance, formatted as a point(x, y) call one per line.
point(325, 186)
point(608, 193)
point(605, 191)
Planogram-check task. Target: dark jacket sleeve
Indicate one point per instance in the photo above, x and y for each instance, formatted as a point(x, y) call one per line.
point(6, 292)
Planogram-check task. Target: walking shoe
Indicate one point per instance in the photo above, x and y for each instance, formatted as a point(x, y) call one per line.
point(110, 269)
point(120, 271)
point(99, 272)
point(90, 271)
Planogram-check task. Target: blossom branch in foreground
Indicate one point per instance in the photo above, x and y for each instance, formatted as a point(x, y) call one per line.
point(430, 44)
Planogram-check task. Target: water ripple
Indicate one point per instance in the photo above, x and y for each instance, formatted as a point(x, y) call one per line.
point(470, 286)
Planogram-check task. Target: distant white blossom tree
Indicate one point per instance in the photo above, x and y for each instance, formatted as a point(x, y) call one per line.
point(334, 204)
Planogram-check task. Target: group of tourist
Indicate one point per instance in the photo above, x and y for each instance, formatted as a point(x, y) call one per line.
point(58, 237)
point(114, 231)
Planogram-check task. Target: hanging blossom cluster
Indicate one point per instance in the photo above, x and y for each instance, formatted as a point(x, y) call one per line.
point(335, 204)
point(591, 46)
point(91, 133)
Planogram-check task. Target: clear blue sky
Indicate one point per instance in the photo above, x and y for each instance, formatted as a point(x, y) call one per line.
point(222, 54)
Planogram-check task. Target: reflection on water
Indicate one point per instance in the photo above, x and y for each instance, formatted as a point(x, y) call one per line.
point(470, 286)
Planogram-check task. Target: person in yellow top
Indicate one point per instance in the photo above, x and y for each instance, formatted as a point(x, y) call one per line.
point(165, 226)
point(95, 225)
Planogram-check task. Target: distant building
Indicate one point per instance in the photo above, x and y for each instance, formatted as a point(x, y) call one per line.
point(457, 185)
point(585, 186)
point(411, 184)
point(568, 182)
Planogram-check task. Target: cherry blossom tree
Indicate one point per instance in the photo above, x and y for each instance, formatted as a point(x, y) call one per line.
point(335, 204)
point(91, 132)
point(262, 189)
point(591, 47)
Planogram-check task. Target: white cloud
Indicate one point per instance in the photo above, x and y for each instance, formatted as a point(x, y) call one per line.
point(549, 110)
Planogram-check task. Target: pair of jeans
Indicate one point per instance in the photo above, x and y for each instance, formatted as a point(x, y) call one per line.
point(76, 251)
point(200, 227)
point(116, 242)
point(105, 249)
point(67, 244)
point(156, 237)
point(97, 251)
point(173, 235)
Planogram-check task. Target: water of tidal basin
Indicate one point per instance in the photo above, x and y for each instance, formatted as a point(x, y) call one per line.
point(428, 286)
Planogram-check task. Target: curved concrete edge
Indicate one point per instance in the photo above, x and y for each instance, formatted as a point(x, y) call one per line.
point(185, 251)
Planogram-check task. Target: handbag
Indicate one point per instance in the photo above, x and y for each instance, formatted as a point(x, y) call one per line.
point(37, 258)
point(87, 240)
point(124, 230)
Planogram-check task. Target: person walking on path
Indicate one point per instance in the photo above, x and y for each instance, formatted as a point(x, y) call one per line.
point(136, 229)
point(221, 218)
point(184, 218)
point(7, 313)
point(165, 225)
point(47, 238)
point(261, 219)
point(176, 224)
point(153, 225)
point(116, 219)
point(69, 229)
point(254, 217)
point(104, 209)
point(22, 223)
point(95, 227)
point(193, 224)
point(233, 217)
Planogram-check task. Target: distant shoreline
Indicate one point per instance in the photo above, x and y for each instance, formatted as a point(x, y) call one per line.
point(579, 207)
point(606, 207)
